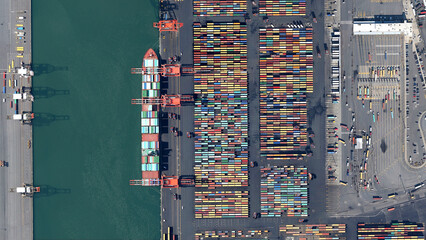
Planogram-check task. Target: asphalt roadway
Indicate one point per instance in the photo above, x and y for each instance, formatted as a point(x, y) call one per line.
point(16, 212)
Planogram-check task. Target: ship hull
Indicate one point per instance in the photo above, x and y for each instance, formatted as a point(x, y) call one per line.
point(150, 146)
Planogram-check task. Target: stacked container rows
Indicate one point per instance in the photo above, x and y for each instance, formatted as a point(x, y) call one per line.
point(395, 230)
point(221, 204)
point(286, 76)
point(220, 8)
point(316, 231)
point(221, 114)
point(282, 7)
point(250, 234)
point(284, 190)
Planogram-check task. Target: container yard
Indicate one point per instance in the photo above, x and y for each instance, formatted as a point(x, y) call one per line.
point(395, 230)
point(240, 171)
point(284, 191)
point(286, 77)
point(221, 116)
point(230, 8)
point(245, 234)
point(221, 204)
point(282, 7)
point(315, 231)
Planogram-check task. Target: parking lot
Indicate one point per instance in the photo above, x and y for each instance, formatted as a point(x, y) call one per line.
point(376, 7)
point(415, 108)
point(372, 111)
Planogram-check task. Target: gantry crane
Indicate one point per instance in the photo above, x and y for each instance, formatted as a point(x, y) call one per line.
point(165, 182)
point(166, 70)
point(165, 100)
point(168, 25)
point(26, 190)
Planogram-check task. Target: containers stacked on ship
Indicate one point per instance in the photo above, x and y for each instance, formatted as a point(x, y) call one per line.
point(231, 8)
point(282, 7)
point(286, 77)
point(221, 114)
point(221, 204)
point(149, 119)
point(284, 190)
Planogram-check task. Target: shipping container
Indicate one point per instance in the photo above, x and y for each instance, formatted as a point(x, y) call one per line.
point(238, 234)
point(284, 191)
point(221, 114)
point(394, 230)
point(221, 204)
point(315, 231)
point(220, 8)
point(286, 76)
point(282, 8)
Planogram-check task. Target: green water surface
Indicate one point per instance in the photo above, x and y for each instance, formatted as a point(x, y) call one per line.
point(86, 132)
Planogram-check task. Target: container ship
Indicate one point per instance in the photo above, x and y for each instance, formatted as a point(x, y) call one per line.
point(150, 130)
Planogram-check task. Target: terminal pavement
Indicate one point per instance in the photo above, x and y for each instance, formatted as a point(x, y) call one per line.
point(16, 212)
point(343, 199)
point(180, 213)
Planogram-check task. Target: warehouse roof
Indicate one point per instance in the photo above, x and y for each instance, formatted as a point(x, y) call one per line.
point(369, 28)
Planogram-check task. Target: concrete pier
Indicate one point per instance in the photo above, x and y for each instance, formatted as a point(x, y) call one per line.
point(16, 212)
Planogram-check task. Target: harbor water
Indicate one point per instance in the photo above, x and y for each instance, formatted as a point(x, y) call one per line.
point(86, 132)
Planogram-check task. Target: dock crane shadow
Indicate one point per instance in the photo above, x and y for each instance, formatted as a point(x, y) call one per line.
point(165, 154)
point(47, 92)
point(45, 68)
point(45, 119)
point(168, 10)
point(47, 191)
